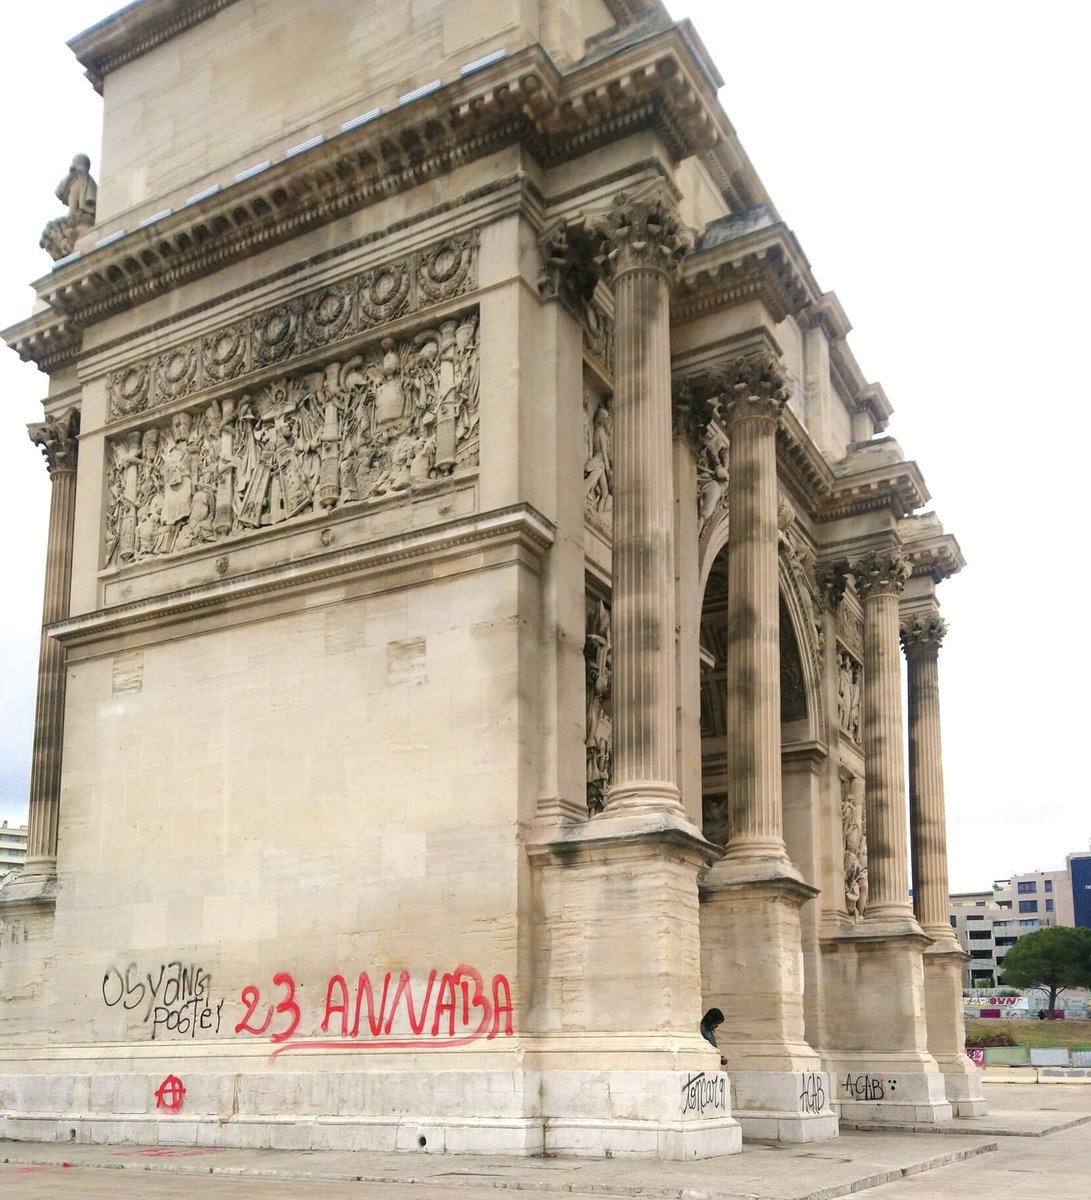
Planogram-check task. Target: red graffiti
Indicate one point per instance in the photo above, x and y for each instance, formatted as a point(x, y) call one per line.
point(167, 1152)
point(452, 1009)
point(170, 1094)
point(251, 997)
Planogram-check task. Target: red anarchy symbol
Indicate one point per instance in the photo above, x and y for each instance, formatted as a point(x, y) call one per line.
point(170, 1093)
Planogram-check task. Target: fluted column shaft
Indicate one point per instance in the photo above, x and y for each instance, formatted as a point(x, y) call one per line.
point(921, 640)
point(642, 240)
point(755, 822)
point(879, 580)
point(57, 438)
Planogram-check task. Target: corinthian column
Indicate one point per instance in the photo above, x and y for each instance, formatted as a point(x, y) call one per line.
point(755, 397)
point(943, 959)
point(880, 578)
point(921, 638)
point(643, 240)
point(57, 438)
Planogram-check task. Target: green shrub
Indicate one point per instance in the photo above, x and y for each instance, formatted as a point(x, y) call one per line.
point(999, 1037)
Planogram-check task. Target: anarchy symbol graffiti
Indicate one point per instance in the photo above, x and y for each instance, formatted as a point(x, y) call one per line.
point(170, 1093)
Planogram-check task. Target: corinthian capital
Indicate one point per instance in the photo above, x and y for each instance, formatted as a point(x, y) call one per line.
point(881, 573)
point(57, 436)
point(753, 387)
point(642, 232)
point(922, 636)
point(567, 270)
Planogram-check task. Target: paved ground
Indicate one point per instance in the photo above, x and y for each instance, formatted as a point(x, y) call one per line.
point(1031, 1147)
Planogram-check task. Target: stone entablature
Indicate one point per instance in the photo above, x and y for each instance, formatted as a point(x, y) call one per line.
point(522, 98)
point(323, 316)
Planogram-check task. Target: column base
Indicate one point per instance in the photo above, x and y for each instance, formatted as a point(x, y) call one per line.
point(784, 1106)
point(875, 1007)
point(947, 1026)
point(667, 1115)
point(33, 884)
point(889, 1087)
point(752, 968)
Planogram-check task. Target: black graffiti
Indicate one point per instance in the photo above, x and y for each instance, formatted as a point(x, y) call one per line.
point(868, 1087)
point(188, 1018)
point(175, 998)
point(704, 1091)
point(812, 1099)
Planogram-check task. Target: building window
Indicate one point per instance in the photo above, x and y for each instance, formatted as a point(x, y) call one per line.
point(954, 920)
point(1027, 885)
point(1031, 924)
point(981, 954)
point(974, 917)
point(1028, 905)
point(978, 935)
point(1049, 906)
point(1049, 885)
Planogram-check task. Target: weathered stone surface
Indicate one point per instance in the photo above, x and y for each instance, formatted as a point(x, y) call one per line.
point(470, 638)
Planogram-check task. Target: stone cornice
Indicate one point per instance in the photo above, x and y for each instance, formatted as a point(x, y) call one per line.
point(898, 486)
point(929, 550)
point(523, 99)
point(519, 524)
point(826, 314)
point(135, 30)
point(801, 465)
point(765, 264)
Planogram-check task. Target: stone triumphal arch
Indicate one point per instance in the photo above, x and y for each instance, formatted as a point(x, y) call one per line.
point(478, 579)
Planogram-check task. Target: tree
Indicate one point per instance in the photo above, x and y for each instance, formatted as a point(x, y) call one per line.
point(1051, 959)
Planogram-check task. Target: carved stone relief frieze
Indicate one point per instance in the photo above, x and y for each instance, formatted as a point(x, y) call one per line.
point(320, 318)
point(383, 422)
point(854, 837)
point(599, 741)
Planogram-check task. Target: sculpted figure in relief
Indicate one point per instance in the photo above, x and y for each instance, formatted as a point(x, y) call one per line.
point(854, 834)
point(79, 192)
point(712, 471)
point(375, 425)
point(598, 470)
point(849, 689)
point(598, 650)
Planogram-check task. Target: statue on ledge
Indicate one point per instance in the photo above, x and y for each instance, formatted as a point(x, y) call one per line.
point(79, 191)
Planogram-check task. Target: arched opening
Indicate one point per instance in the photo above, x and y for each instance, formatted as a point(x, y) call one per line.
point(796, 705)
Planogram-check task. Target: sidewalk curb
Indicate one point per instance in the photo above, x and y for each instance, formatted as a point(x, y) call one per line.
point(481, 1181)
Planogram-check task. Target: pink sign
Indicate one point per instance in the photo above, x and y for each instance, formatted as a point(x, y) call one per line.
point(976, 1054)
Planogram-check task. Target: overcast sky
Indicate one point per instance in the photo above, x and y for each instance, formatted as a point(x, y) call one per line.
point(931, 158)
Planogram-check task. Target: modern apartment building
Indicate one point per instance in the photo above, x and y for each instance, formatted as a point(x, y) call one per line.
point(990, 922)
point(13, 846)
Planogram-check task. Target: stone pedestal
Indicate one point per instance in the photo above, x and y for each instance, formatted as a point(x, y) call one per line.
point(947, 1028)
point(752, 968)
point(624, 1068)
point(882, 1068)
